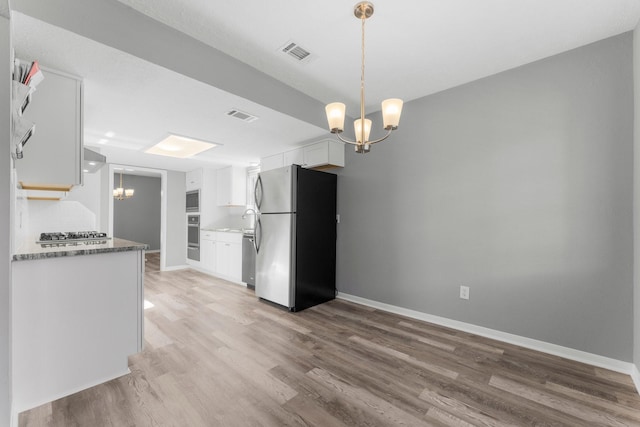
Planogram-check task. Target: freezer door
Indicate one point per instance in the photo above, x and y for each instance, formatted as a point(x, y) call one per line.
point(274, 191)
point(274, 269)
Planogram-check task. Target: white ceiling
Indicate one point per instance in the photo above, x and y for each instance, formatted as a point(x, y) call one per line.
point(414, 48)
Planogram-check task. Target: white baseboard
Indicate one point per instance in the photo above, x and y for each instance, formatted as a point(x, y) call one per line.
point(545, 347)
point(635, 376)
point(152, 251)
point(13, 422)
point(218, 276)
point(176, 267)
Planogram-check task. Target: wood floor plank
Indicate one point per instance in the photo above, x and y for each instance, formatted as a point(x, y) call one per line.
point(447, 409)
point(215, 355)
point(387, 413)
point(578, 410)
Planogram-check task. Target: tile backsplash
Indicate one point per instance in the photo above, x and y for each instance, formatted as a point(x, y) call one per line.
point(46, 216)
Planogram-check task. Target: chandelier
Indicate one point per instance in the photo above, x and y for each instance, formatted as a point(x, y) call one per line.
point(121, 193)
point(391, 108)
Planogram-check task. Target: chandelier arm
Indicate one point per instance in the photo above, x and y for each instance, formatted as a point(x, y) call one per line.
point(346, 140)
point(381, 139)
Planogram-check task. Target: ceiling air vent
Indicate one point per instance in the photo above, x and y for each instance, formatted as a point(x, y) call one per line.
point(245, 117)
point(295, 51)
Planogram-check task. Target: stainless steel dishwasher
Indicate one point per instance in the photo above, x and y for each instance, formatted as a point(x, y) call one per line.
point(248, 259)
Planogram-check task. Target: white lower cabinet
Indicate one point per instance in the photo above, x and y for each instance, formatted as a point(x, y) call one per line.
point(229, 255)
point(74, 331)
point(221, 254)
point(208, 251)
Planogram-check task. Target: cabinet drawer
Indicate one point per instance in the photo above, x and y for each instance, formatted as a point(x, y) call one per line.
point(223, 236)
point(208, 235)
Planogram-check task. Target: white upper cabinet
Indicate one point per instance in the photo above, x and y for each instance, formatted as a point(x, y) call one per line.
point(294, 157)
point(53, 155)
point(232, 186)
point(319, 155)
point(272, 162)
point(324, 154)
point(194, 179)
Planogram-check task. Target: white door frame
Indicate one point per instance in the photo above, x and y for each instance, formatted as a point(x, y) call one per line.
point(163, 202)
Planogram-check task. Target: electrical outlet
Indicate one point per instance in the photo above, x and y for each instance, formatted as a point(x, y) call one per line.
point(464, 292)
point(338, 218)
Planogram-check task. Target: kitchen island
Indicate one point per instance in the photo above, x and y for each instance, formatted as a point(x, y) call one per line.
point(77, 316)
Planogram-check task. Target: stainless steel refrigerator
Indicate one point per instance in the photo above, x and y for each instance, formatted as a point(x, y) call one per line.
point(296, 237)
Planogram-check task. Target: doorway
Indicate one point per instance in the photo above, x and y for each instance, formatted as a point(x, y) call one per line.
point(114, 176)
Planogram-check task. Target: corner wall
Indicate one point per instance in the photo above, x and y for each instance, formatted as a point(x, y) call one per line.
point(519, 186)
point(5, 216)
point(636, 205)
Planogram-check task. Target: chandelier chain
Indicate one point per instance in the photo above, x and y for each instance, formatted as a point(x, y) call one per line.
point(364, 18)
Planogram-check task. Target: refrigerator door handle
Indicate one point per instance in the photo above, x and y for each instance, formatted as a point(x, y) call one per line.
point(257, 240)
point(257, 193)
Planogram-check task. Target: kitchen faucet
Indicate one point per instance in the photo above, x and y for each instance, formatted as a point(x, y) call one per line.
point(249, 212)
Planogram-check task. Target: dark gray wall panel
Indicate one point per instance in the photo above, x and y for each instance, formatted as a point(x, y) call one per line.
point(138, 218)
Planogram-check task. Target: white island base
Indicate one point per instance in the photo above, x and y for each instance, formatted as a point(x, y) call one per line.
point(76, 319)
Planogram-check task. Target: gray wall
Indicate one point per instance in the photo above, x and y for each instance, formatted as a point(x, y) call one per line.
point(138, 218)
point(176, 220)
point(518, 185)
point(636, 197)
point(5, 223)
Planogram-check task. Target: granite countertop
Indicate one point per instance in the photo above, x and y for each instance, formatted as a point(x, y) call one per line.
point(228, 230)
point(33, 251)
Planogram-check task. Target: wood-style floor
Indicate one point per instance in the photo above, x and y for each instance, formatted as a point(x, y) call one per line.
point(216, 356)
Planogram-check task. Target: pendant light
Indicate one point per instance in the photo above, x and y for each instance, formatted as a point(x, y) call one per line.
point(391, 108)
point(122, 193)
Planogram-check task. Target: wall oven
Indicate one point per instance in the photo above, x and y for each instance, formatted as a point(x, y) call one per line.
point(193, 201)
point(193, 237)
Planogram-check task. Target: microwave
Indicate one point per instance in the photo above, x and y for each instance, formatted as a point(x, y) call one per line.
point(193, 201)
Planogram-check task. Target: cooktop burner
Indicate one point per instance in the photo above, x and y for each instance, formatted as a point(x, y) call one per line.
point(72, 236)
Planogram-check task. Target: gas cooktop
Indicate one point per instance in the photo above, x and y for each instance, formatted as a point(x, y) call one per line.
point(73, 236)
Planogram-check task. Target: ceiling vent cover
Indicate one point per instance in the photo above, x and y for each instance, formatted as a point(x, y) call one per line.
point(245, 117)
point(295, 51)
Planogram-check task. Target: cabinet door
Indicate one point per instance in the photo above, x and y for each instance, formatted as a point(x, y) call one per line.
point(316, 154)
point(229, 260)
point(272, 162)
point(235, 262)
point(207, 252)
point(324, 153)
point(231, 186)
point(223, 187)
point(194, 180)
point(223, 251)
point(294, 157)
point(54, 154)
